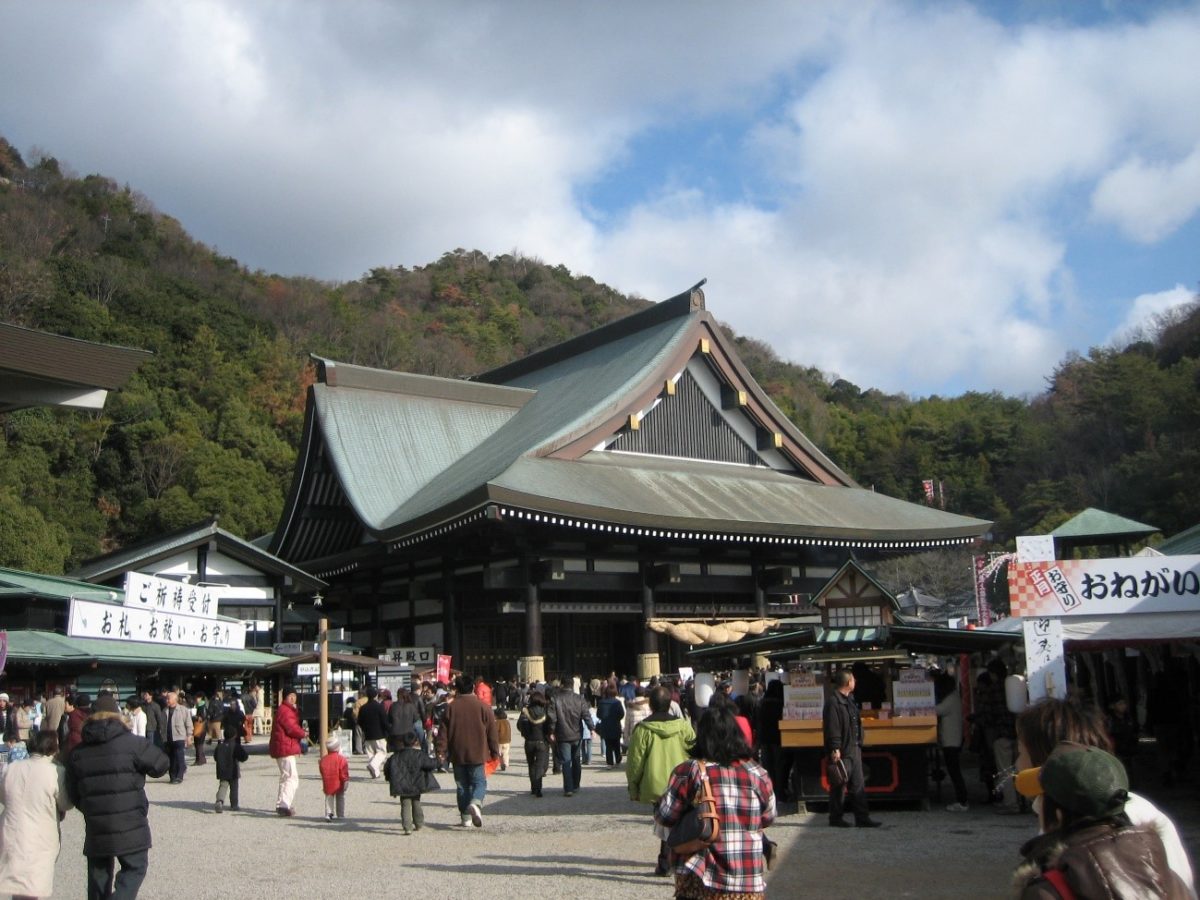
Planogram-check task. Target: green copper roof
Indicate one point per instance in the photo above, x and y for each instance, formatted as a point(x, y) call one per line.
point(412, 453)
point(51, 648)
point(571, 396)
point(686, 494)
point(1186, 543)
point(1102, 526)
point(14, 583)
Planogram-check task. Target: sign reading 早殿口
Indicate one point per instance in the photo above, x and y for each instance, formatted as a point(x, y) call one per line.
point(1096, 587)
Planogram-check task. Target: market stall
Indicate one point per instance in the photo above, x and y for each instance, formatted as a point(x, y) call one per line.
point(861, 630)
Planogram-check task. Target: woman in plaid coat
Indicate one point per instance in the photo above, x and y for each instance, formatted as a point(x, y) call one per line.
point(733, 867)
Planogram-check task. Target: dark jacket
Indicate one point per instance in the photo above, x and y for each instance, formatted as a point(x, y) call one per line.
point(402, 719)
point(567, 711)
point(610, 712)
point(156, 722)
point(534, 724)
point(106, 780)
point(373, 721)
point(470, 731)
point(842, 724)
point(8, 724)
point(406, 771)
point(1101, 860)
point(770, 711)
point(228, 754)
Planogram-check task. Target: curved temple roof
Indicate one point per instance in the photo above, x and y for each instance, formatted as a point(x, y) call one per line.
point(406, 454)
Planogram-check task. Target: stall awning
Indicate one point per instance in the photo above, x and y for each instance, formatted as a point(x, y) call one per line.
point(49, 648)
point(835, 644)
point(346, 660)
point(1099, 632)
point(752, 646)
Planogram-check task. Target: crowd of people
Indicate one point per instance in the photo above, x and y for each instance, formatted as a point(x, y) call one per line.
point(1096, 838)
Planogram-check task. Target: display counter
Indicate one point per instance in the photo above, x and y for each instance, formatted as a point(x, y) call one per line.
point(895, 757)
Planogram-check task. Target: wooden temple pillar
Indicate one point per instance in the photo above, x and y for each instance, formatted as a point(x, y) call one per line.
point(532, 666)
point(648, 661)
point(451, 635)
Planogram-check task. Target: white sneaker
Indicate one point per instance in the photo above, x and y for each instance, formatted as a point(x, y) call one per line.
point(476, 815)
point(466, 821)
point(957, 807)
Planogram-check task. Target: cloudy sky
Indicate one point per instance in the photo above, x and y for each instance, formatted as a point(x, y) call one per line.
point(920, 197)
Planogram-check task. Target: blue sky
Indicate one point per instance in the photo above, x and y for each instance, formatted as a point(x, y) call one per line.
point(919, 197)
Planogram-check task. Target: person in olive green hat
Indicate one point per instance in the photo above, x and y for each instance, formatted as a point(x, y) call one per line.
point(1089, 848)
point(657, 745)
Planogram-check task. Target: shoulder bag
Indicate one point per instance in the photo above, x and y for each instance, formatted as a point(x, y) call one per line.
point(701, 824)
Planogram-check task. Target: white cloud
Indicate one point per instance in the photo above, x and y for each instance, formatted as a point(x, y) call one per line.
point(1145, 309)
point(924, 170)
point(1149, 200)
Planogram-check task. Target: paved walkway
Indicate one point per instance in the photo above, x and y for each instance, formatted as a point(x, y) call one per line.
point(596, 844)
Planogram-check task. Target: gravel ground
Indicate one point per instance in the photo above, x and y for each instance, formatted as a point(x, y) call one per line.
point(595, 844)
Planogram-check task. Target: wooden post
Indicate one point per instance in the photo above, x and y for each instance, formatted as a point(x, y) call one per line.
point(323, 636)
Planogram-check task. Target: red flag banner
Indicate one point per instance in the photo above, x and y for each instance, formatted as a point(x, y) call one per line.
point(928, 485)
point(443, 668)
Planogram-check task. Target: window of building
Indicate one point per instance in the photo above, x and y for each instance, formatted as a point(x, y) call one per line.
point(855, 616)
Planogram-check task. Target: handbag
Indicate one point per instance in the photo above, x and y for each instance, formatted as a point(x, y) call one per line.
point(701, 824)
point(836, 773)
point(769, 849)
point(198, 728)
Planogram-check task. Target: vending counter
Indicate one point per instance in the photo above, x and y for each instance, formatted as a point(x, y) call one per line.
point(895, 757)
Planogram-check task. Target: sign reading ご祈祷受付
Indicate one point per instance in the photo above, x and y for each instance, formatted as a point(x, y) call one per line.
point(1097, 587)
point(167, 596)
point(93, 619)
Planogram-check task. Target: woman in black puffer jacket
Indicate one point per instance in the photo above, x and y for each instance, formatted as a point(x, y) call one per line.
point(106, 780)
point(535, 728)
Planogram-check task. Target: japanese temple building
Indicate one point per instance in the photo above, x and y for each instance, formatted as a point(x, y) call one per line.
point(531, 520)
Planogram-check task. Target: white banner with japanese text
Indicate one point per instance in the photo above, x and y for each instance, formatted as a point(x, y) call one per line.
point(167, 596)
point(1045, 665)
point(92, 619)
point(1097, 587)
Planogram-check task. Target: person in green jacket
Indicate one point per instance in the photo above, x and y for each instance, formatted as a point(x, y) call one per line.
point(657, 745)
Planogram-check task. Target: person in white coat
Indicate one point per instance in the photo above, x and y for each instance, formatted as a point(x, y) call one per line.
point(950, 734)
point(34, 794)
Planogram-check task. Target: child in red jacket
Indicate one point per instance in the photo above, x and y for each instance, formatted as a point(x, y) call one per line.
point(335, 775)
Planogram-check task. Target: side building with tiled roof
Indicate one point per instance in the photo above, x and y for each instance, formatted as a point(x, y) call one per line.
point(536, 517)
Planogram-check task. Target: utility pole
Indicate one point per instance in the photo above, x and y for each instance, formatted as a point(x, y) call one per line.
point(323, 637)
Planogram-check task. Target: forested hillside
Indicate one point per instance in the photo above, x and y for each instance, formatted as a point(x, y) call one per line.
point(210, 425)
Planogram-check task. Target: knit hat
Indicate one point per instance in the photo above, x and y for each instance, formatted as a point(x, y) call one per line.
point(4, 697)
point(1085, 780)
point(106, 703)
point(333, 745)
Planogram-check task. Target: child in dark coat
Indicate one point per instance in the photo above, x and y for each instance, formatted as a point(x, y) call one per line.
point(228, 754)
point(410, 774)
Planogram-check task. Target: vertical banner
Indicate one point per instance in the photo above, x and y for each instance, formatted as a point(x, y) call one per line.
point(3, 650)
point(1045, 664)
point(982, 607)
point(443, 668)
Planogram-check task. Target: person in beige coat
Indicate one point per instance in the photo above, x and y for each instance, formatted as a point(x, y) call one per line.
point(34, 794)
